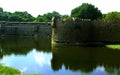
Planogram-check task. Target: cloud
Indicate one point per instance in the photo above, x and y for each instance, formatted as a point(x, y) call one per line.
point(43, 59)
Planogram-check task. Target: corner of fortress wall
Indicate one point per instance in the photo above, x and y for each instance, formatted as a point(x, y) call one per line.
point(84, 30)
point(72, 30)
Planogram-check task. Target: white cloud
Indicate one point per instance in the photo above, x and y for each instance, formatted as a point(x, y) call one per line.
point(42, 59)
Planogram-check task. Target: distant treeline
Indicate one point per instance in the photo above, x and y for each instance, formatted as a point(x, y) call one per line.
point(26, 17)
point(85, 11)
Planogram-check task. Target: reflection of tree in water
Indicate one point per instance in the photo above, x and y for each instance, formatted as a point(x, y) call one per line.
point(112, 69)
point(1, 55)
point(85, 59)
point(109, 69)
point(22, 46)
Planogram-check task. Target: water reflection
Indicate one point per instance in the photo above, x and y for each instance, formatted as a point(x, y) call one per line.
point(26, 54)
point(86, 59)
point(34, 56)
point(33, 62)
point(14, 45)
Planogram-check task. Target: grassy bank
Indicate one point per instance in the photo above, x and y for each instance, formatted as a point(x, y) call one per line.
point(4, 70)
point(32, 74)
point(117, 46)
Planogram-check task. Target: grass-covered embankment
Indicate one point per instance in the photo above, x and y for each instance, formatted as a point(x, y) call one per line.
point(4, 70)
point(116, 46)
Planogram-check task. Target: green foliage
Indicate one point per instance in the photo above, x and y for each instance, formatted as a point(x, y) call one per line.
point(46, 17)
point(103, 16)
point(65, 17)
point(21, 16)
point(5, 16)
point(86, 11)
point(39, 19)
point(1, 10)
point(16, 16)
point(8, 71)
point(112, 17)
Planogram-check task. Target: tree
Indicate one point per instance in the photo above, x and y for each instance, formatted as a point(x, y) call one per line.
point(39, 19)
point(16, 16)
point(21, 16)
point(5, 16)
point(1, 13)
point(1, 10)
point(46, 17)
point(112, 17)
point(65, 16)
point(86, 11)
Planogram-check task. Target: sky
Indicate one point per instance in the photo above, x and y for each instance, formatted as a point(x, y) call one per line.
point(40, 7)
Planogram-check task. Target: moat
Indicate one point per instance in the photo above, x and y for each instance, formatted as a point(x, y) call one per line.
point(40, 57)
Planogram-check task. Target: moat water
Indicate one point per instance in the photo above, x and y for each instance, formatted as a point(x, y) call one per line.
point(38, 56)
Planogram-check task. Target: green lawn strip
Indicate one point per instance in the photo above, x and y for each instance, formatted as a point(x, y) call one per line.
point(117, 46)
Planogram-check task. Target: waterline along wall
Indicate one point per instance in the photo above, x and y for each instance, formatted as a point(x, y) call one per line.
point(41, 29)
point(84, 32)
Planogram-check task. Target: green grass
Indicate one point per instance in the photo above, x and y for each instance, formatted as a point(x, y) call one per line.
point(117, 46)
point(4, 70)
point(32, 74)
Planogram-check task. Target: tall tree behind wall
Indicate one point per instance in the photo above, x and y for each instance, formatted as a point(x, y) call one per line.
point(86, 11)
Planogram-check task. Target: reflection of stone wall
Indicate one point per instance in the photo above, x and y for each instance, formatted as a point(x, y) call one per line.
point(85, 59)
point(23, 45)
point(80, 31)
point(25, 29)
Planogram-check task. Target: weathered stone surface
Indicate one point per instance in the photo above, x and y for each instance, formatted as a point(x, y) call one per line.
point(25, 29)
point(84, 31)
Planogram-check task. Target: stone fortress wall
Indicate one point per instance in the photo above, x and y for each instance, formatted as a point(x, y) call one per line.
point(41, 29)
point(72, 31)
point(84, 31)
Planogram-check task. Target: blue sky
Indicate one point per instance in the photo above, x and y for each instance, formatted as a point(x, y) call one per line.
point(36, 7)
